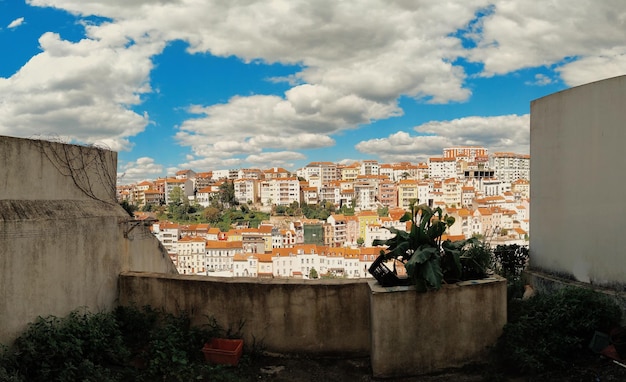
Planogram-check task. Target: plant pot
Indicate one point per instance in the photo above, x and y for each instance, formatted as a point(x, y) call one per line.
point(618, 338)
point(222, 351)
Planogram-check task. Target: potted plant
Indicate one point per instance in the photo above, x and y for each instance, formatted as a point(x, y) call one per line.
point(428, 259)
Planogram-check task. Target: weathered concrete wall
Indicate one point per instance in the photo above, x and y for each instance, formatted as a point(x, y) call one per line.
point(418, 333)
point(63, 238)
point(323, 317)
point(577, 205)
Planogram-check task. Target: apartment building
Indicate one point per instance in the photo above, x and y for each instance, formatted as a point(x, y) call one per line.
point(469, 153)
point(279, 191)
point(326, 171)
point(388, 193)
point(370, 167)
point(246, 190)
point(350, 172)
point(441, 168)
point(510, 167)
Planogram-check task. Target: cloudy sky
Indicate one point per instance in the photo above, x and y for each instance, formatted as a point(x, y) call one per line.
point(208, 84)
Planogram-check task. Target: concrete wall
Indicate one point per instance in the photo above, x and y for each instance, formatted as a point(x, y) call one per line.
point(322, 317)
point(578, 139)
point(419, 333)
point(63, 237)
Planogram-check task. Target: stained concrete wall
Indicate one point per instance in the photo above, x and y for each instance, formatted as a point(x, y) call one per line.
point(419, 333)
point(577, 210)
point(63, 237)
point(321, 317)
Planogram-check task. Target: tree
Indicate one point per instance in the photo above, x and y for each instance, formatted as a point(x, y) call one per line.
point(129, 208)
point(211, 214)
point(360, 241)
point(177, 196)
point(227, 194)
point(313, 274)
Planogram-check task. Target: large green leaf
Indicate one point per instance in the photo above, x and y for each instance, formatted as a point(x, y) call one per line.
point(431, 272)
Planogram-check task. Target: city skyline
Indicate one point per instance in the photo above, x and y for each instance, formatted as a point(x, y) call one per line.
point(175, 85)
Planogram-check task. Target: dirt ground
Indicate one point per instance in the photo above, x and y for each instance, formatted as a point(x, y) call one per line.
point(293, 369)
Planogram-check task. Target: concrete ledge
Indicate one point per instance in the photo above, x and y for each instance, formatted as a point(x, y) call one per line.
point(321, 317)
point(417, 333)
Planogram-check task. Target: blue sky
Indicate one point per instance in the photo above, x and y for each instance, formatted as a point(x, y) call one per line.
point(178, 84)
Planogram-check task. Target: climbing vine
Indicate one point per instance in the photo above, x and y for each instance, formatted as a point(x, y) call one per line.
point(88, 166)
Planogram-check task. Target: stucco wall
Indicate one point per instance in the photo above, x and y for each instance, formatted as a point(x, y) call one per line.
point(419, 333)
point(577, 208)
point(62, 234)
point(328, 317)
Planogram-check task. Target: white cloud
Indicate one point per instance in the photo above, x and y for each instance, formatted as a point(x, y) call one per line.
point(80, 90)
point(540, 80)
point(500, 133)
point(16, 23)
point(590, 69)
point(302, 120)
point(143, 168)
point(275, 159)
point(355, 60)
point(531, 33)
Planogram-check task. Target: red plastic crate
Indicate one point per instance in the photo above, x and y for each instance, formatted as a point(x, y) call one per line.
point(222, 351)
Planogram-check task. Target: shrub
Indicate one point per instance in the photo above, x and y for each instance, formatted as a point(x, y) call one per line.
point(509, 261)
point(128, 344)
point(549, 331)
point(78, 347)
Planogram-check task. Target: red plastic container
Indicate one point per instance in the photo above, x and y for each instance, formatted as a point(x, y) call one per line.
point(221, 351)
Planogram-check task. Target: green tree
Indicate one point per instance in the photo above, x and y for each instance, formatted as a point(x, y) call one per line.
point(211, 214)
point(383, 211)
point(313, 274)
point(227, 194)
point(129, 208)
point(177, 196)
point(360, 241)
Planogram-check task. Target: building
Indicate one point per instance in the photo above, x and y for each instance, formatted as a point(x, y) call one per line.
point(469, 153)
point(441, 168)
point(280, 191)
point(510, 167)
point(246, 190)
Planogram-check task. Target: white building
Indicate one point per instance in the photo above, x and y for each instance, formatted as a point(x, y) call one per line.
point(190, 252)
point(510, 167)
point(220, 254)
point(281, 191)
point(441, 168)
point(246, 190)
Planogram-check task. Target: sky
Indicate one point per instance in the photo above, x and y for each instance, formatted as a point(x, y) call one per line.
point(209, 85)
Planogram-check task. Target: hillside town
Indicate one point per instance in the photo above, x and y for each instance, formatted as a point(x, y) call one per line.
point(487, 194)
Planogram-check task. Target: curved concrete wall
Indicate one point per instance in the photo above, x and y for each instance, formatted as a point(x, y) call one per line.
point(578, 142)
point(63, 238)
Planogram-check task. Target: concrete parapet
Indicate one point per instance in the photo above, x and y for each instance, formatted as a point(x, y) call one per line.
point(418, 333)
point(321, 317)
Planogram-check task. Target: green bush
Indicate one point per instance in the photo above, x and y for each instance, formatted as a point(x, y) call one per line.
point(78, 347)
point(128, 344)
point(550, 331)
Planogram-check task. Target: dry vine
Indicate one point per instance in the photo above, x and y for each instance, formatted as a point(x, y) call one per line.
point(80, 163)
